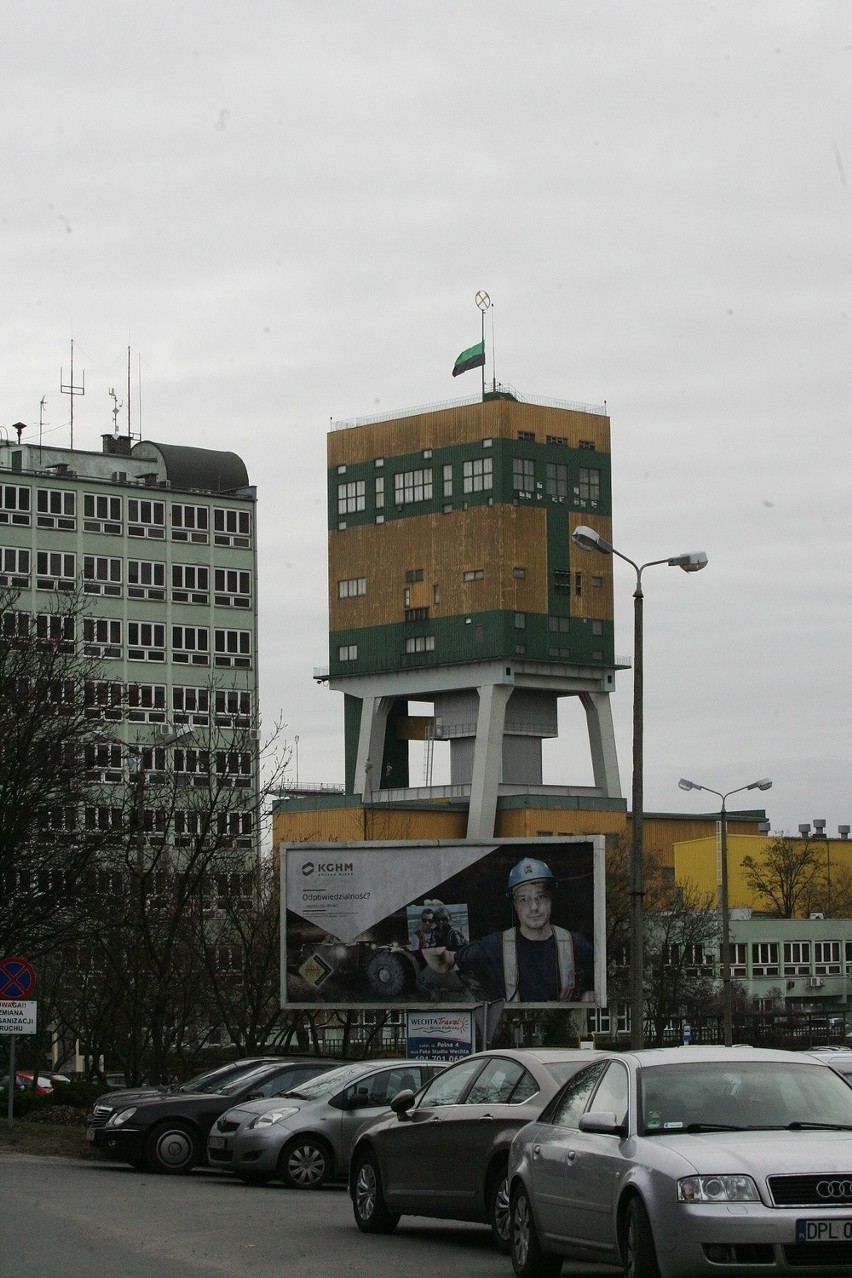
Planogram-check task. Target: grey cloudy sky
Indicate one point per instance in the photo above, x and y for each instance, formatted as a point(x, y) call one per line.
point(285, 208)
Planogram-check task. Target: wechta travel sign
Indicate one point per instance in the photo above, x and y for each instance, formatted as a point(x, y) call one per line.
point(444, 924)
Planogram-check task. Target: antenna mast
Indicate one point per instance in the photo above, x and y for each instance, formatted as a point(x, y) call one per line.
point(69, 388)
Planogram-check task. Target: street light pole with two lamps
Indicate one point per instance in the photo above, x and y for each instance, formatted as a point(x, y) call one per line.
point(724, 908)
point(588, 539)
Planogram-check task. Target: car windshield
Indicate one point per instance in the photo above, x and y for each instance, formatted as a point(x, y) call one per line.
point(742, 1095)
point(212, 1079)
point(245, 1078)
point(328, 1082)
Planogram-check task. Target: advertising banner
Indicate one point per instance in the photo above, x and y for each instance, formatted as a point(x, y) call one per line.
point(438, 1036)
point(447, 924)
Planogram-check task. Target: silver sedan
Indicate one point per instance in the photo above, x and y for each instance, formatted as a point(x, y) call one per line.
point(304, 1137)
point(690, 1161)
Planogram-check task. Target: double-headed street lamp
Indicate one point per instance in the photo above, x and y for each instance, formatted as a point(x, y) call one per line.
point(727, 1000)
point(588, 539)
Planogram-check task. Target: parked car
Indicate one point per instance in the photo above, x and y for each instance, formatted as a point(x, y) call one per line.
point(168, 1132)
point(839, 1058)
point(305, 1137)
point(43, 1083)
point(445, 1152)
point(208, 1080)
point(688, 1161)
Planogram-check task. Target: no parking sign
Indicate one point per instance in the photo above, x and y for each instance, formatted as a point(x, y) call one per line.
point(18, 1008)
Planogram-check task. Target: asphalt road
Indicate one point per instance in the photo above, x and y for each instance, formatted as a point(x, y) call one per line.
point(103, 1220)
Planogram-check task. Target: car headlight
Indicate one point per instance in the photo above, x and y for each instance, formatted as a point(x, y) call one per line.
point(121, 1117)
point(717, 1189)
point(274, 1116)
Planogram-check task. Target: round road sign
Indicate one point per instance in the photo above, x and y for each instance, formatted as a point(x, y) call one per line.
point(17, 978)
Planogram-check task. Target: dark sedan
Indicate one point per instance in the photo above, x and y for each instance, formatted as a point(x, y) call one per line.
point(445, 1152)
point(207, 1081)
point(168, 1132)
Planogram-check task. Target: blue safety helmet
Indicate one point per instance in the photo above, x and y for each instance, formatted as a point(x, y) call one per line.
point(528, 871)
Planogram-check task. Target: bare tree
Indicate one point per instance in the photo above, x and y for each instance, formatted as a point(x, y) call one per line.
point(681, 941)
point(787, 876)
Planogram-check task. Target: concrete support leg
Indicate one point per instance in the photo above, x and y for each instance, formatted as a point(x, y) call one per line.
point(598, 708)
point(487, 759)
point(371, 745)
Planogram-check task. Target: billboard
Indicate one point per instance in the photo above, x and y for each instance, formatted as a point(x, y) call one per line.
point(443, 923)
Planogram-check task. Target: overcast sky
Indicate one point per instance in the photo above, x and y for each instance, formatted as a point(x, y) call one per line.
point(286, 208)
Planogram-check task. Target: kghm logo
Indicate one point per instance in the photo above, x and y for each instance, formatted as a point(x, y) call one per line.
point(328, 867)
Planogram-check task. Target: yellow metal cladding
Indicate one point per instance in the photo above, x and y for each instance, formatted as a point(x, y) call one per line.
point(465, 423)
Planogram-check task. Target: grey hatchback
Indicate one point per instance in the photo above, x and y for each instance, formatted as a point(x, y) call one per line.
point(445, 1152)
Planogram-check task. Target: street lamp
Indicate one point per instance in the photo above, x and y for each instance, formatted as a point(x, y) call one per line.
point(727, 1003)
point(588, 539)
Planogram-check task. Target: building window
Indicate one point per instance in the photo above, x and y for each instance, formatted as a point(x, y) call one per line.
point(232, 588)
point(597, 627)
point(412, 485)
point(597, 583)
point(233, 707)
point(414, 574)
point(797, 958)
point(520, 620)
point(190, 583)
point(103, 699)
point(51, 627)
point(231, 527)
point(416, 614)
point(232, 647)
point(420, 643)
point(436, 593)
point(447, 480)
point(190, 523)
point(235, 764)
point(347, 652)
point(102, 636)
point(101, 575)
point(478, 474)
point(103, 762)
point(520, 573)
point(351, 497)
point(146, 579)
point(589, 488)
point(827, 958)
point(738, 952)
point(380, 491)
point(101, 514)
point(350, 588)
point(474, 574)
point(764, 958)
point(146, 518)
point(146, 702)
point(559, 625)
point(561, 440)
point(57, 508)
point(146, 641)
point(193, 765)
point(191, 645)
point(191, 705)
point(14, 504)
point(14, 566)
point(55, 570)
point(557, 480)
point(523, 474)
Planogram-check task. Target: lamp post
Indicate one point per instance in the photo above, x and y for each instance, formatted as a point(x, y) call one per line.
point(588, 539)
point(727, 1002)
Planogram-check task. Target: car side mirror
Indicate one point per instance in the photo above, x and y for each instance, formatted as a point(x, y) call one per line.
point(402, 1102)
point(604, 1122)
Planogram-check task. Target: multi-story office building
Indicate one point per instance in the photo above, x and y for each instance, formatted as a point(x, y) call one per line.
point(158, 541)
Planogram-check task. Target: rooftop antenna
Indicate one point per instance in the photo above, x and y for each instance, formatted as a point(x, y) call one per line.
point(117, 405)
point(69, 388)
point(41, 418)
point(483, 301)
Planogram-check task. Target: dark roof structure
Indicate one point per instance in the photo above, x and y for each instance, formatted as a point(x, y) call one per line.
point(201, 469)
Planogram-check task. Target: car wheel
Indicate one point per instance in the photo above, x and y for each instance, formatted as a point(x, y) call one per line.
point(368, 1200)
point(172, 1148)
point(499, 1209)
point(254, 1178)
point(638, 1250)
point(304, 1163)
point(528, 1259)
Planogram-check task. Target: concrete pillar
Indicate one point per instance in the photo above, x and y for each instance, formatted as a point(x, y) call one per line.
point(487, 759)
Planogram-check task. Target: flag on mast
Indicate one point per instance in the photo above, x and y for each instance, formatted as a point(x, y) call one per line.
point(473, 357)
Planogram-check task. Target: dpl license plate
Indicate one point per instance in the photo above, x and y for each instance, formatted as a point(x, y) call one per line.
point(817, 1231)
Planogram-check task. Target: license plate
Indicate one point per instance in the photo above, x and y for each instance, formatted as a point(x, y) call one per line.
point(817, 1231)
point(90, 1135)
point(216, 1142)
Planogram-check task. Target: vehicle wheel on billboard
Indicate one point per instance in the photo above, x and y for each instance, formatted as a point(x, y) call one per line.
point(499, 1208)
point(305, 1163)
point(528, 1259)
point(389, 974)
point(368, 1200)
point(254, 1178)
point(173, 1149)
point(637, 1249)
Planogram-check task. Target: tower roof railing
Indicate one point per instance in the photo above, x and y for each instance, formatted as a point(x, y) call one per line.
point(599, 410)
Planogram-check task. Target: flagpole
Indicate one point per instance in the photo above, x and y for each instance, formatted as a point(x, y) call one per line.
point(483, 301)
